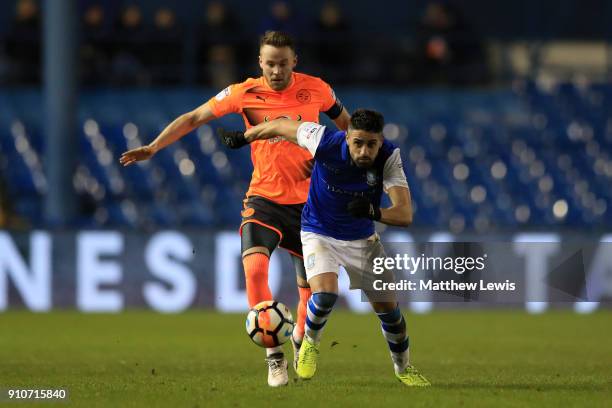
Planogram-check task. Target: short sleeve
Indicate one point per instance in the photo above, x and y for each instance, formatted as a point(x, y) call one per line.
point(328, 99)
point(309, 135)
point(393, 172)
point(227, 101)
point(330, 104)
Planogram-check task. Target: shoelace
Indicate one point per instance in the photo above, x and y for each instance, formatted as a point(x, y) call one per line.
point(275, 365)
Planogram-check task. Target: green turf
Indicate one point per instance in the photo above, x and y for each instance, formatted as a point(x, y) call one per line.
point(202, 359)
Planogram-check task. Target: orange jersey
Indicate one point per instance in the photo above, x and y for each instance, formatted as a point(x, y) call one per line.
point(281, 169)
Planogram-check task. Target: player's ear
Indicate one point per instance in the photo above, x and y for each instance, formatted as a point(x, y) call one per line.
point(260, 61)
point(295, 60)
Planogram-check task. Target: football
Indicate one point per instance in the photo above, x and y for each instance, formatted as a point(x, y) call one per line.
point(269, 323)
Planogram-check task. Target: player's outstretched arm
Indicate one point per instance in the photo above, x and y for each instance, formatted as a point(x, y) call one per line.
point(279, 127)
point(173, 132)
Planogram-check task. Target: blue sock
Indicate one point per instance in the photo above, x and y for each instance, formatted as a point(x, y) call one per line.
point(320, 306)
point(394, 329)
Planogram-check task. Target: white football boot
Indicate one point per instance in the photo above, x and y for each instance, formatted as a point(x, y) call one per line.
point(277, 370)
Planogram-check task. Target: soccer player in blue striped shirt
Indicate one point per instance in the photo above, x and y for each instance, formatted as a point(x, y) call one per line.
point(351, 171)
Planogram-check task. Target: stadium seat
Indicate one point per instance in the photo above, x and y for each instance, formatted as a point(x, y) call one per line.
point(475, 159)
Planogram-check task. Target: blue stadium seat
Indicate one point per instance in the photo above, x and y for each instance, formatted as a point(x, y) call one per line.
point(552, 144)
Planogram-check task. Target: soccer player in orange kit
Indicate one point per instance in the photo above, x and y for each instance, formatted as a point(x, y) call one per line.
point(281, 174)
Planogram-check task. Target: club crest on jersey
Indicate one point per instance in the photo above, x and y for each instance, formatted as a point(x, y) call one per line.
point(303, 96)
point(371, 177)
point(310, 261)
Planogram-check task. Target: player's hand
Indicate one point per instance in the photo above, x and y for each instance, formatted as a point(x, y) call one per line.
point(135, 155)
point(232, 139)
point(362, 208)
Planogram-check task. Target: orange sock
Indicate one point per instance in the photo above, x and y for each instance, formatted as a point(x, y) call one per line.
point(301, 313)
point(256, 273)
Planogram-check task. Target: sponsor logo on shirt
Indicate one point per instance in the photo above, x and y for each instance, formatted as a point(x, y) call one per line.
point(332, 169)
point(339, 190)
point(310, 129)
point(276, 139)
point(268, 118)
point(224, 93)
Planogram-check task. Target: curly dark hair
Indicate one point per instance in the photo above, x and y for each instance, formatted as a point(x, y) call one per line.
point(368, 120)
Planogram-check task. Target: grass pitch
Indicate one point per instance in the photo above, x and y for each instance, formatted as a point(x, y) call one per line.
point(205, 359)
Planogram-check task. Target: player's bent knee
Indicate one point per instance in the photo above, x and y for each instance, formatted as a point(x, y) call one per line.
point(324, 300)
point(324, 282)
point(302, 283)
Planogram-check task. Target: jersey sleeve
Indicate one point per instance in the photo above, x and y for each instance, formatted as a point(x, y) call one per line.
point(227, 101)
point(330, 104)
point(393, 172)
point(309, 135)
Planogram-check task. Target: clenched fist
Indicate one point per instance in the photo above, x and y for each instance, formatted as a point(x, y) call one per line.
point(232, 139)
point(362, 208)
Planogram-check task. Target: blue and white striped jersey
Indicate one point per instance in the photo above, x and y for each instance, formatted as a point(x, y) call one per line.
point(336, 181)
